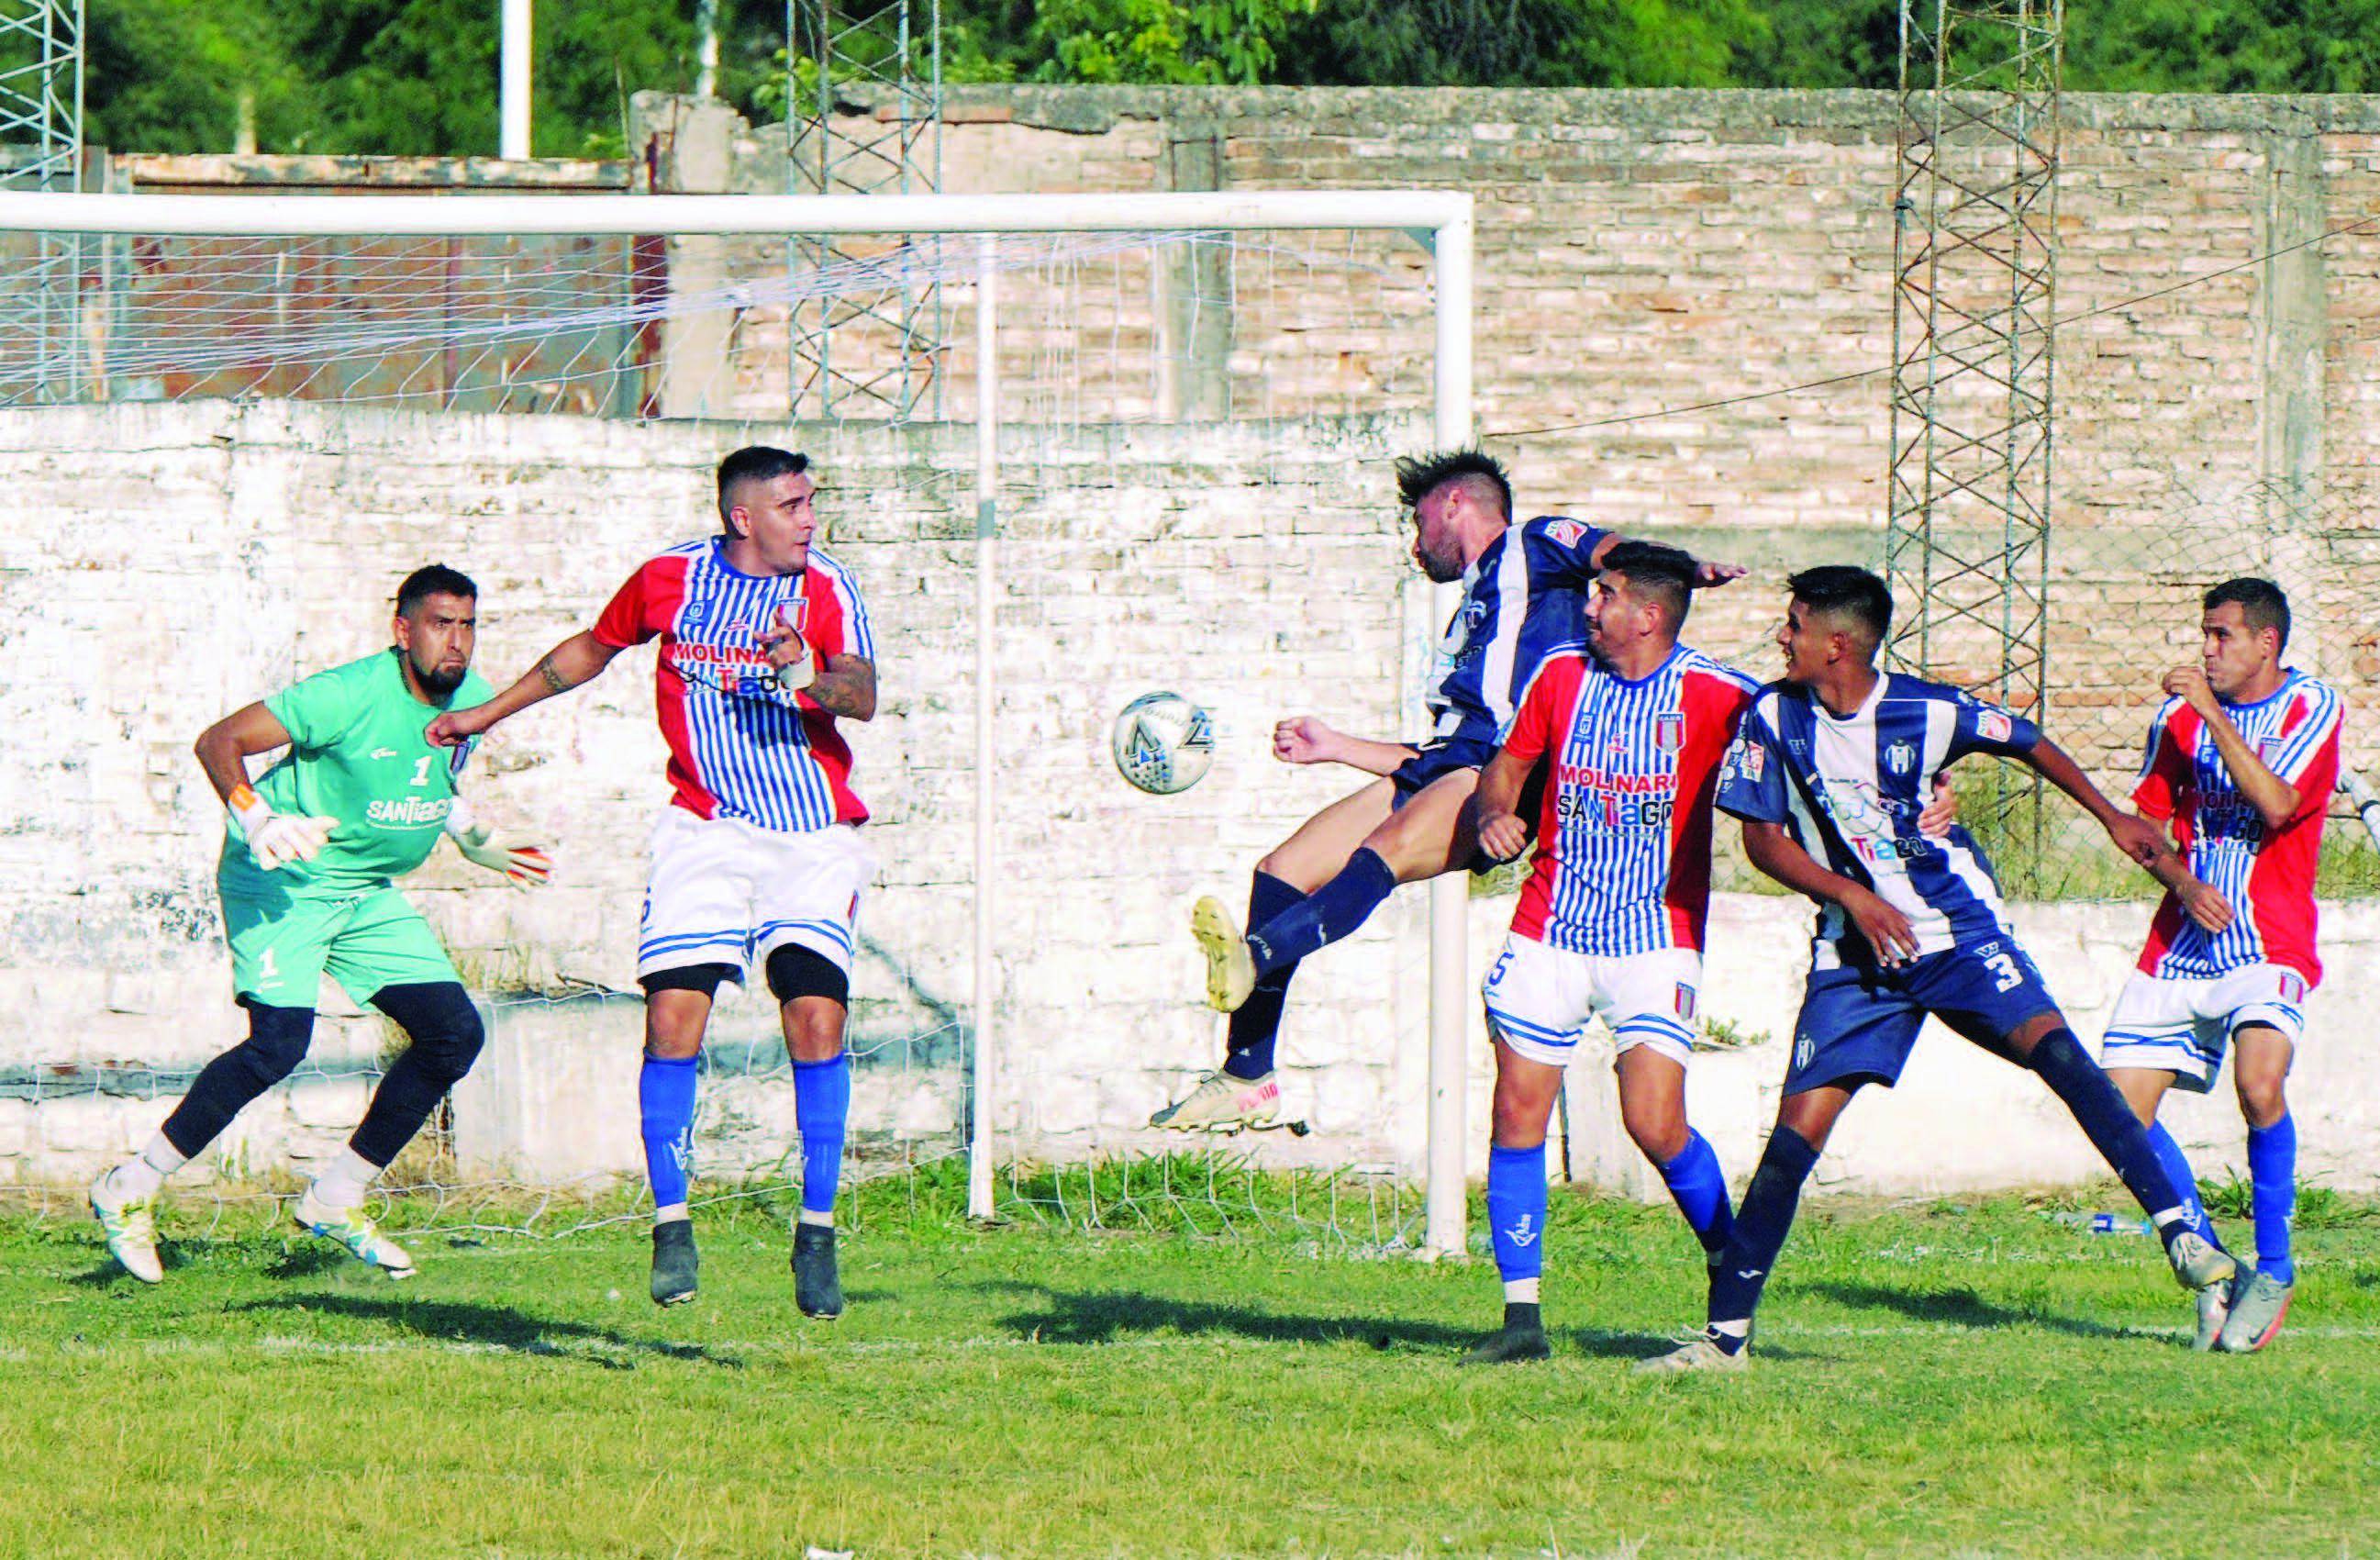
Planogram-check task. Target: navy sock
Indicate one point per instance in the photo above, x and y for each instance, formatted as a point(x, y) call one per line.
point(1760, 1227)
point(1516, 1210)
point(1257, 1023)
point(2273, 1184)
point(665, 1104)
point(1700, 1187)
point(2109, 1123)
point(821, 1109)
point(1324, 916)
point(2185, 1181)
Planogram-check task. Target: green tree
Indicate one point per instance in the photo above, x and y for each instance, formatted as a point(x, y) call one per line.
point(1523, 43)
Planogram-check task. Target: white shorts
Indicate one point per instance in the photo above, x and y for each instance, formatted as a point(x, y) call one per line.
point(2182, 1026)
point(1540, 999)
point(723, 891)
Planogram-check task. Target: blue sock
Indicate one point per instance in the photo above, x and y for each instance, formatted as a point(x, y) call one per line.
point(2185, 1181)
point(1516, 1210)
point(1257, 1022)
point(665, 1104)
point(1760, 1227)
point(1324, 916)
point(2273, 1182)
point(822, 1107)
point(1700, 1187)
point(2086, 1090)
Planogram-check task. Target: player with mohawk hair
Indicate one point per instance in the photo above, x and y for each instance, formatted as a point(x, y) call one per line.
point(1524, 590)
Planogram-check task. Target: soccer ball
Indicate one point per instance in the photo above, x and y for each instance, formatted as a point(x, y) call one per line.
point(1163, 743)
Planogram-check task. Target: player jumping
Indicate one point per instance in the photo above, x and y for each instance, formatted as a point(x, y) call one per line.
point(1827, 763)
point(306, 874)
point(758, 860)
point(2241, 760)
point(1524, 589)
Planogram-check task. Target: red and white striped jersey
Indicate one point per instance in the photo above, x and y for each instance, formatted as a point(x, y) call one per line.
point(2268, 876)
point(740, 746)
point(1624, 841)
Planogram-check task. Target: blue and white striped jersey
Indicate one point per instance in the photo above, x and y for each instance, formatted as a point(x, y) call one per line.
point(1849, 789)
point(1522, 599)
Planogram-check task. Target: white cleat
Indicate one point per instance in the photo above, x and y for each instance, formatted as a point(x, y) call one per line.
point(2198, 1261)
point(130, 1227)
point(352, 1228)
point(1223, 1103)
point(1697, 1354)
point(2214, 1305)
point(1230, 969)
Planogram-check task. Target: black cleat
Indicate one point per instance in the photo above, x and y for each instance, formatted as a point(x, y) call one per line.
point(1523, 1337)
point(674, 1262)
point(817, 1289)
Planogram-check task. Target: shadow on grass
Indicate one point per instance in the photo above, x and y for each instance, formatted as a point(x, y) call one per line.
point(497, 1327)
point(1959, 1308)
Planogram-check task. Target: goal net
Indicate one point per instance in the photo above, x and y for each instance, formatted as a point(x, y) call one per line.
point(1072, 449)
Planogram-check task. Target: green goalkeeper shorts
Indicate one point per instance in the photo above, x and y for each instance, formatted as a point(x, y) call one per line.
point(281, 947)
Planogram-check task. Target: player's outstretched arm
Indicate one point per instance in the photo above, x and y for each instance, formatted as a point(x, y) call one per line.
point(274, 839)
point(1307, 740)
point(1503, 834)
point(1778, 853)
point(2134, 836)
point(580, 658)
point(1708, 572)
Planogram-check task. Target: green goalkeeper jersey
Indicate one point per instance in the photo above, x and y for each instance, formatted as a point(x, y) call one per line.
point(356, 754)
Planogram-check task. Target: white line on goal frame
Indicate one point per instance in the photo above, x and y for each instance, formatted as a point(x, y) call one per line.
point(1440, 220)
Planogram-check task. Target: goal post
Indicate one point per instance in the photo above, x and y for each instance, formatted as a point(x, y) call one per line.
point(1442, 222)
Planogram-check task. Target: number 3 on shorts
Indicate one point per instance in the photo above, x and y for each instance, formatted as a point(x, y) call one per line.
point(2004, 965)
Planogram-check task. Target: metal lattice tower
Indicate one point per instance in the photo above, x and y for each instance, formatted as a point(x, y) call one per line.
point(867, 352)
point(1974, 252)
point(41, 148)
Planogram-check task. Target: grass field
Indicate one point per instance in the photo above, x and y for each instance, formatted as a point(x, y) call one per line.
point(1939, 1380)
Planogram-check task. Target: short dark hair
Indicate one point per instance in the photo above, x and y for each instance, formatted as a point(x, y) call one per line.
point(1654, 573)
point(2261, 604)
point(1419, 475)
point(754, 463)
point(1846, 590)
point(436, 579)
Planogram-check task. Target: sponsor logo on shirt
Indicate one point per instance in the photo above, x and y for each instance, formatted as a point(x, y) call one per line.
point(408, 813)
point(1994, 726)
point(1566, 532)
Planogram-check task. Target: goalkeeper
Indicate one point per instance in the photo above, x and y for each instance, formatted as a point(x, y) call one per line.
point(309, 855)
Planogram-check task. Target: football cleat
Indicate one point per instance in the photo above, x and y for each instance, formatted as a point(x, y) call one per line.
point(674, 1262)
point(2198, 1261)
point(1514, 1342)
point(1703, 1351)
point(352, 1228)
point(1223, 1103)
point(1230, 969)
point(2214, 1304)
point(2258, 1302)
point(130, 1227)
point(818, 1290)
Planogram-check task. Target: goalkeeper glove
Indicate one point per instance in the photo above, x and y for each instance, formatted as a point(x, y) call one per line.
point(525, 865)
point(276, 839)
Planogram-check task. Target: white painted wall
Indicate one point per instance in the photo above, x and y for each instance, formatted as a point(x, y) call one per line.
point(164, 564)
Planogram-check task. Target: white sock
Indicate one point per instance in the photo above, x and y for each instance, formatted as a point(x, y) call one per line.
point(1734, 1329)
point(1519, 1291)
point(675, 1212)
point(144, 1172)
point(807, 1217)
point(343, 1181)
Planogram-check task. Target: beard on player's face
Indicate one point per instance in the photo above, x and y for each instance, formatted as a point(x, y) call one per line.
point(438, 681)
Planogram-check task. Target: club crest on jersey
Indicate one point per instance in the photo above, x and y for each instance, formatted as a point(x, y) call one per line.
point(1669, 732)
point(1750, 759)
point(1994, 726)
point(1566, 532)
point(459, 757)
point(1900, 757)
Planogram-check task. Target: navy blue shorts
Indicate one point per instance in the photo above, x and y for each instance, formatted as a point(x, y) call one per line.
point(1437, 760)
point(1858, 1025)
